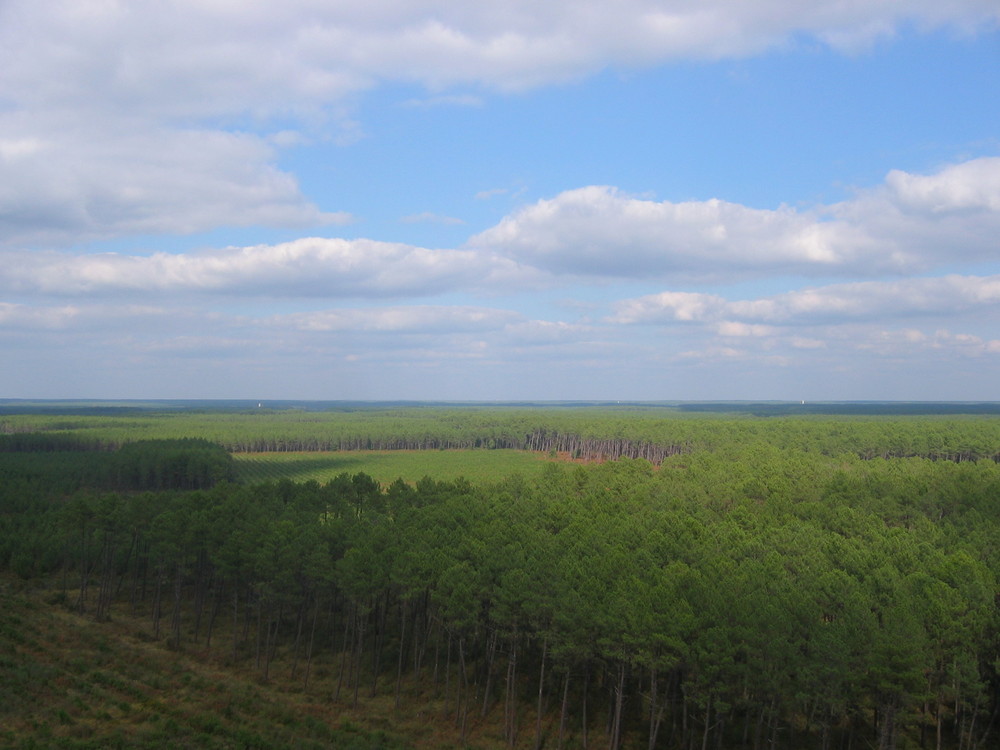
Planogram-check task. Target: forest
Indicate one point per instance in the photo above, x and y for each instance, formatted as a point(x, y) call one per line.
point(663, 580)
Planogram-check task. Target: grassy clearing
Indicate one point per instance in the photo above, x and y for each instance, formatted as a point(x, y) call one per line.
point(67, 681)
point(387, 466)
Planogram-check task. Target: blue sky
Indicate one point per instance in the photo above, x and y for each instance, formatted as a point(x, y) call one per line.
point(451, 200)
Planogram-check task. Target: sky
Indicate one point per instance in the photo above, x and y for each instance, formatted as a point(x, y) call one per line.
point(515, 200)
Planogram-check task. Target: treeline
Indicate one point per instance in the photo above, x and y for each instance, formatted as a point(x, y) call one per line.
point(748, 598)
point(181, 464)
point(541, 439)
point(74, 462)
point(49, 442)
point(596, 433)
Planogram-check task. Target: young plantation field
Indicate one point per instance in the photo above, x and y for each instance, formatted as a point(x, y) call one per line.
point(387, 466)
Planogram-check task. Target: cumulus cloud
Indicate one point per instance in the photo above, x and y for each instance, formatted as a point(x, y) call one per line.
point(973, 186)
point(67, 183)
point(260, 56)
point(119, 117)
point(317, 267)
point(600, 230)
point(905, 226)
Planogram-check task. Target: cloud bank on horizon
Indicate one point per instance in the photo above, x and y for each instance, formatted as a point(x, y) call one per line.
point(445, 200)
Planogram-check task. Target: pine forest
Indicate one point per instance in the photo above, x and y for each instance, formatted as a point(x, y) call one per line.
point(500, 576)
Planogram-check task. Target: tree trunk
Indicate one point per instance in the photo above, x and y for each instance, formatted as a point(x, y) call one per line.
point(541, 692)
point(708, 717)
point(462, 708)
point(655, 709)
point(491, 647)
point(236, 619)
point(419, 644)
point(271, 641)
point(887, 726)
point(175, 615)
point(133, 598)
point(156, 601)
point(616, 724)
point(199, 592)
point(381, 614)
point(216, 605)
point(81, 601)
point(107, 577)
point(312, 641)
point(684, 716)
point(399, 660)
point(437, 656)
point(759, 731)
point(510, 699)
point(256, 661)
point(447, 670)
point(562, 710)
point(300, 619)
point(361, 627)
point(348, 631)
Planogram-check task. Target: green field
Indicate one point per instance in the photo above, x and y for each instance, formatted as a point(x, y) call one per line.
point(387, 466)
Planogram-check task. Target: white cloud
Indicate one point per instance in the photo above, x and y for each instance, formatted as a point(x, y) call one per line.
point(414, 319)
point(13, 150)
point(837, 303)
point(118, 117)
point(600, 230)
point(16, 318)
point(909, 224)
point(905, 226)
point(22, 317)
point(485, 195)
point(714, 353)
point(908, 342)
point(133, 118)
point(445, 100)
point(803, 342)
point(407, 330)
point(311, 267)
point(973, 186)
point(736, 329)
point(670, 307)
point(548, 333)
point(202, 58)
point(65, 183)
